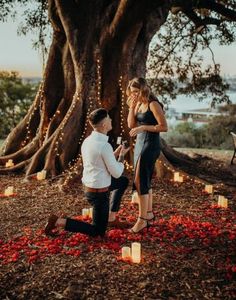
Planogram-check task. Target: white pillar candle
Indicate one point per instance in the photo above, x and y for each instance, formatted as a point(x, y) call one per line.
point(85, 212)
point(220, 200)
point(125, 252)
point(136, 252)
point(91, 212)
point(176, 176)
point(181, 179)
point(9, 191)
point(224, 203)
point(209, 188)
point(135, 198)
point(118, 140)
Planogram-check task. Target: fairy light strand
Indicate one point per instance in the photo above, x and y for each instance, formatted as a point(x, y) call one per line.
point(99, 83)
point(73, 164)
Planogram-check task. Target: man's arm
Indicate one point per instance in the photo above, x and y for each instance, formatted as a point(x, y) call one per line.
point(114, 167)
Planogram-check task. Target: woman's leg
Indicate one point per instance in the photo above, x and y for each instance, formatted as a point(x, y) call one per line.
point(143, 203)
point(142, 219)
point(150, 214)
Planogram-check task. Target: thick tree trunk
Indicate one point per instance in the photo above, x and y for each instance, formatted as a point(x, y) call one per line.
point(96, 48)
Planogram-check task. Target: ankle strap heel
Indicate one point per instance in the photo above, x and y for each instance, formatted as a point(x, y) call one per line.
point(154, 217)
point(141, 229)
point(148, 225)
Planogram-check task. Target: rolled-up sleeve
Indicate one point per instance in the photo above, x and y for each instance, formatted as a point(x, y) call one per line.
point(114, 167)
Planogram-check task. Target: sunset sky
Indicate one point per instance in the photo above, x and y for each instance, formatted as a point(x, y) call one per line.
point(16, 53)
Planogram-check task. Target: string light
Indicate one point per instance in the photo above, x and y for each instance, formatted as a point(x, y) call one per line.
point(74, 163)
point(99, 84)
point(122, 107)
point(61, 134)
point(40, 96)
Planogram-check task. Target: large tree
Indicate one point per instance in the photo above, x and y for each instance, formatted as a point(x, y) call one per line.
point(97, 46)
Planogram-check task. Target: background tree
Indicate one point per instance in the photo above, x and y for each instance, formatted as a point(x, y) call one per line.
point(97, 46)
point(217, 131)
point(214, 135)
point(16, 97)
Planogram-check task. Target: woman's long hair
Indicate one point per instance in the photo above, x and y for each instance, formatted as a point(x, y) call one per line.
point(145, 90)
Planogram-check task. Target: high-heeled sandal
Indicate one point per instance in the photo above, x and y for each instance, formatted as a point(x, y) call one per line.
point(153, 218)
point(146, 226)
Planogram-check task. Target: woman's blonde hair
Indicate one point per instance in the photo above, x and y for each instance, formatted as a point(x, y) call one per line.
point(145, 90)
point(141, 84)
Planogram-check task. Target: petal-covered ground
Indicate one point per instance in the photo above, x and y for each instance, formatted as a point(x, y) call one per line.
point(189, 252)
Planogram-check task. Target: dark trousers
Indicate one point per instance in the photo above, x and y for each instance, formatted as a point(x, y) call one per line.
point(100, 203)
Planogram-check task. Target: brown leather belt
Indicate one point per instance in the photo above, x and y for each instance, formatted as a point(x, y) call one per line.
point(94, 190)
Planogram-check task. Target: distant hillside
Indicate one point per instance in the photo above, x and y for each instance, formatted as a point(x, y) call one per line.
point(231, 80)
point(32, 79)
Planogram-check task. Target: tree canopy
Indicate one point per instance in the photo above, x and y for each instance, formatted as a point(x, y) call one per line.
point(175, 63)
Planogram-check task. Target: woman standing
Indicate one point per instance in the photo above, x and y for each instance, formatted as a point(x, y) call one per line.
point(146, 120)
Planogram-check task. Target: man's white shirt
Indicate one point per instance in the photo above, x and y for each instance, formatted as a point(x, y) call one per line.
point(99, 162)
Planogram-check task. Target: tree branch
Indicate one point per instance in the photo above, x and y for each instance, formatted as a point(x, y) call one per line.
point(200, 23)
point(212, 5)
point(217, 7)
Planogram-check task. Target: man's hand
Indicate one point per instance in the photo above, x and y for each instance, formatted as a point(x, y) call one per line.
point(117, 151)
point(123, 151)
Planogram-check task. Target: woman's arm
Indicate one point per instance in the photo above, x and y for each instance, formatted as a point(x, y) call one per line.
point(131, 118)
point(158, 113)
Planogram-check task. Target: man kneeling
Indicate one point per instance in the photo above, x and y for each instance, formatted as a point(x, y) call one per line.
point(101, 175)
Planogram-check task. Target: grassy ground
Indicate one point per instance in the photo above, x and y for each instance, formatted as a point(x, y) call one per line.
point(222, 155)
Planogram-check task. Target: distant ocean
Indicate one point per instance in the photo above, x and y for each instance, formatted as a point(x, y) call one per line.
point(184, 102)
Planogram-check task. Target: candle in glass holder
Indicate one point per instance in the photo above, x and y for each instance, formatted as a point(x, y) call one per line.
point(209, 188)
point(176, 176)
point(125, 252)
point(136, 252)
point(9, 191)
point(9, 163)
point(118, 140)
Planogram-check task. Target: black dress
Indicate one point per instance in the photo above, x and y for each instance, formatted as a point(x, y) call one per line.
point(147, 149)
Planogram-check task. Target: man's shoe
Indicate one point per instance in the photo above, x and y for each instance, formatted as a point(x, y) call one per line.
point(116, 223)
point(51, 224)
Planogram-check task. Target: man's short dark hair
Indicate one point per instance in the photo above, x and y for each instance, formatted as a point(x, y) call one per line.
point(97, 116)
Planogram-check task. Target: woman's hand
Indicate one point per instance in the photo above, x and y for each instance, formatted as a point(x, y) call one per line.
point(136, 130)
point(132, 101)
